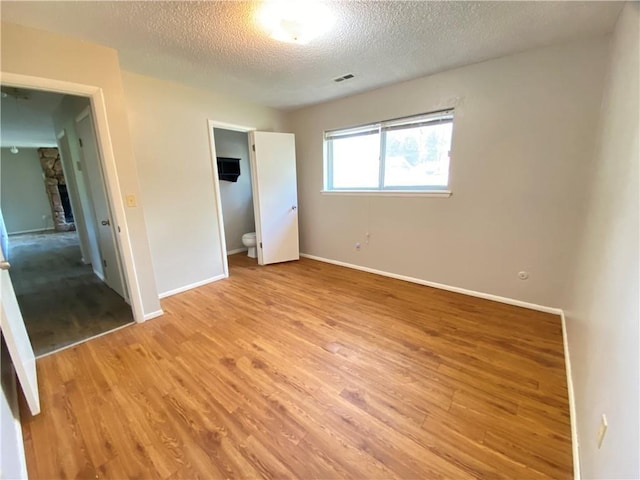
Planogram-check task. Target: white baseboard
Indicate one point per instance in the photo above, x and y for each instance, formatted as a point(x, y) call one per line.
point(441, 286)
point(189, 287)
point(35, 230)
point(577, 475)
point(237, 250)
point(495, 298)
point(149, 316)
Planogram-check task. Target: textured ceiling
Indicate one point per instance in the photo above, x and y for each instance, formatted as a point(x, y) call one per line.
point(26, 118)
point(219, 46)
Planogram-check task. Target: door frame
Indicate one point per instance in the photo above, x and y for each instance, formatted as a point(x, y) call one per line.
point(108, 165)
point(211, 124)
point(88, 113)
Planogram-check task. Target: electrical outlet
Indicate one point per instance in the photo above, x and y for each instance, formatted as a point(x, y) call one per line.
point(131, 201)
point(358, 246)
point(602, 430)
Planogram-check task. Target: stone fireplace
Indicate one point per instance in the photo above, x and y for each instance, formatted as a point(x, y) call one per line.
point(56, 187)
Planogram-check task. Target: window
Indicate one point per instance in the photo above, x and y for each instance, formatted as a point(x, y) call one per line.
point(406, 154)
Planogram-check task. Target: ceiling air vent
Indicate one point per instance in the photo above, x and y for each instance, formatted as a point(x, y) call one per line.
point(348, 76)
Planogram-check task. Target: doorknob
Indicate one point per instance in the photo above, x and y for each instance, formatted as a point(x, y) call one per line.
point(4, 265)
point(105, 222)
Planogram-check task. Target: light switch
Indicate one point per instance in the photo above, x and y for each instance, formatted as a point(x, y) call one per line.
point(131, 201)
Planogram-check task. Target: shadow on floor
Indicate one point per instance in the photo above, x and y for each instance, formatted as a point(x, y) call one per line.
point(61, 299)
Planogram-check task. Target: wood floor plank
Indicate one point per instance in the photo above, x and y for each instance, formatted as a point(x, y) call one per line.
point(309, 370)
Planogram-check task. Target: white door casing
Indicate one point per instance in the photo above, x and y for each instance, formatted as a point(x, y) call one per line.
point(211, 125)
point(275, 196)
point(104, 224)
point(17, 340)
point(99, 109)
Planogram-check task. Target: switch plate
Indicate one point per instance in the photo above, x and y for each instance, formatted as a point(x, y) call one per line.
point(602, 430)
point(131, 201)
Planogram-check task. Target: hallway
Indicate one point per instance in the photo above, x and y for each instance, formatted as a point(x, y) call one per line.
point(61, 299)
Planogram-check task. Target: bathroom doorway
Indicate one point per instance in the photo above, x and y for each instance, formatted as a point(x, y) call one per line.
point(236, 192)
point(272, 165)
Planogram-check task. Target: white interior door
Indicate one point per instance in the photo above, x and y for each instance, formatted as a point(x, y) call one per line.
point(17, 340)
point(275, 196)
point(77, 196)
point(92, 168)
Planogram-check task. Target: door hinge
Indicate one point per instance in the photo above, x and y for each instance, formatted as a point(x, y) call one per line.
point(80, 141)
point(260, 244)
point(253, 147)
point(104, 262)
point(118, 228)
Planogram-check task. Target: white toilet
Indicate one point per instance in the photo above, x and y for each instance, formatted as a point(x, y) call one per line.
point(249, 241)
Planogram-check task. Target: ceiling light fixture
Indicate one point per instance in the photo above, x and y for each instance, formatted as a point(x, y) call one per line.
point(14, 150)
point(295, 21)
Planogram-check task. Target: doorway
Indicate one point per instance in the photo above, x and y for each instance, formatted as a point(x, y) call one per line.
point(272, 161)
point(236, 194)
point(66, 268)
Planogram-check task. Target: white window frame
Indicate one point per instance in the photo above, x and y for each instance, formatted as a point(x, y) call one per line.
point(431, 118)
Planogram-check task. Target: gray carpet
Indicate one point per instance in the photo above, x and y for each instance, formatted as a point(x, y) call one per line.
point(61, 299)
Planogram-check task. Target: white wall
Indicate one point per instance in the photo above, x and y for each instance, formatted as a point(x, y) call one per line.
point(171, 142)
point(36, 53)
point(237, 198)
point(23, 197)
point(603, 319)
point(523, 132)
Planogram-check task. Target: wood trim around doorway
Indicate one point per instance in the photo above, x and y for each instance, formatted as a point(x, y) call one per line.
point(114, 194)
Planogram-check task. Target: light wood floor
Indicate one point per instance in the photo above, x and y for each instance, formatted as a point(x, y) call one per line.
point(308, 370)
point(61, 299)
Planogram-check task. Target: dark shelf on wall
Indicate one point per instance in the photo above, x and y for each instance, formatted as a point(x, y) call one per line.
point(228, 169)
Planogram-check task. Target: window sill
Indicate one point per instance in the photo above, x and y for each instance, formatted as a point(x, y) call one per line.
point(389, 193)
